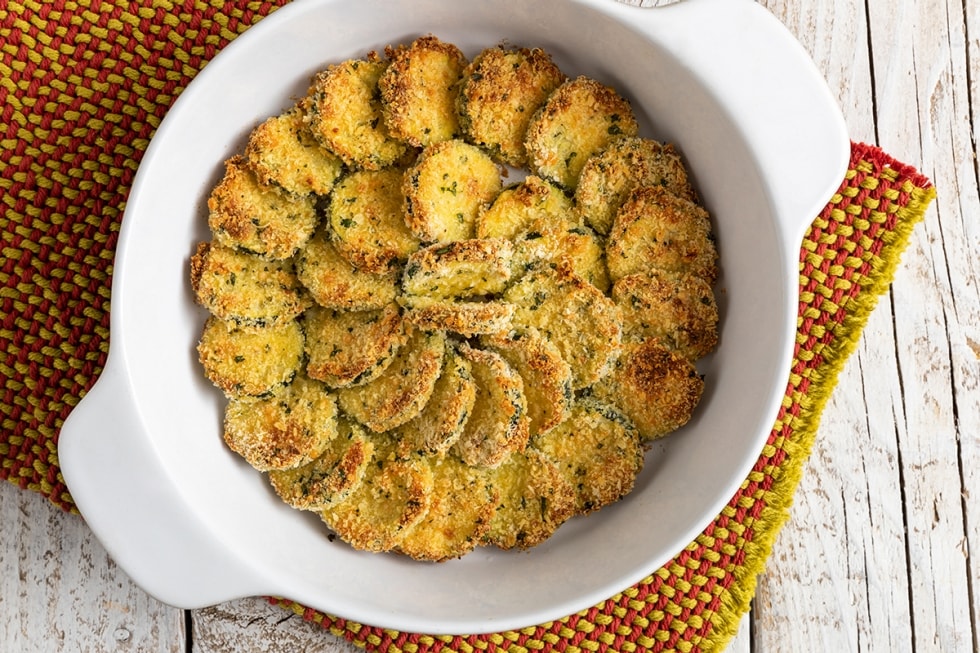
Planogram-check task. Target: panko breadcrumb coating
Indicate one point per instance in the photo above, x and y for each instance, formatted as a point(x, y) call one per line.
point(396, 397)
point(678, 310)
point(501, 90)
point(461, 506)
point(334, 283)
point(344, 113)
point(349, 348)
point(498, 424)
point(248, 362)
point(427, 361)
point(656, 229)
point(332, 476)
point(610, 175)
point(579, 119)
point(392, 497)
point(366, 220)
point(244, 213)
point(530, 205)
point(245, 288)
point(419, 90)
point(654, 387)
point(288, 429)
point(282, 151)
point(535, 499)
point(597, 450)
point(584, 324)
point(446, 189)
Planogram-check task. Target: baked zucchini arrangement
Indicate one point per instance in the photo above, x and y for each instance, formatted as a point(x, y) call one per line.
point(432, 359)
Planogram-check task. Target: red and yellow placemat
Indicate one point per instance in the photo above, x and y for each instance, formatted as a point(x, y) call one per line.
point(83, 86)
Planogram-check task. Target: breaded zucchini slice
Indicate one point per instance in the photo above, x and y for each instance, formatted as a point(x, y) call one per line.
point(366, 220)
point(535, 499)
point(349, 348)
point(578, 247)
point(462, 506)
point(547, 377)
point(450, 183)
point(531, 205)
point(500, 91)
point(678, 310)
point(334, 283)
point(419, 90)
point(597, 450)
point(654, 387)
point(282, 151)
point(579, 119)
point(244, 213)
point(392, 498)
point(402, 391)
point(462, 317)
point(344, 113)
point(248, 362)
point(656, 229)
point(290, 428)
point(583, 323)
point(459, 270)
point(332, 476)
point(498, 424)
point(609, 176)
point(437, 428)
point(244, 288)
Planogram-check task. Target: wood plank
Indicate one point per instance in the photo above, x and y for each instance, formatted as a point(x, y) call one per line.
point(266, 628)
point(62, 592)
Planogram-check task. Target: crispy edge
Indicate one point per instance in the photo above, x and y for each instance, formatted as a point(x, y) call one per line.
point(334, 283)
point(465, 318)
point(459, 269)
point(534, 204)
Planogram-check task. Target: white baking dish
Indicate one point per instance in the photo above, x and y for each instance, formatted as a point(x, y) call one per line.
point(194, 525)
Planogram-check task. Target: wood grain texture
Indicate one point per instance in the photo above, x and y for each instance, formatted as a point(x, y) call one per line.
point(882, 548)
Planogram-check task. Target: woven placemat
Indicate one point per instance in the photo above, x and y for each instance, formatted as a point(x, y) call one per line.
point(83, 86)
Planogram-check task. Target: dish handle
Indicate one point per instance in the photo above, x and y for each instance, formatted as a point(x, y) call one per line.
point(791, 120)
point(113, 474)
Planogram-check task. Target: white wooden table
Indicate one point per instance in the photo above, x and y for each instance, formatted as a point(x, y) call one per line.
point(876, 555)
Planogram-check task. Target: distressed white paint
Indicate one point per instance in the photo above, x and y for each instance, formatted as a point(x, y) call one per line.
point(875, 555)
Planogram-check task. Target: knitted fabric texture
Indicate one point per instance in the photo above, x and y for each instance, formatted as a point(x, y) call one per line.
point(84, 85)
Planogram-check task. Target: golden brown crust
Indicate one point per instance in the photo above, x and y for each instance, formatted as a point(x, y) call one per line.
point(498, 424)
point(531, 205)
point(393, 496)
point(246, 214)
point(459, 513)
point(437, 428)
point(610, 175)
point(350, 348)
point(578, 248)
point(334, 283)
point(583, 323)
point(419, 90)
point(465, 318)
point(459, 270)
point(396, 397)
point(332, 476)
point(286, 430)
point(597, 451)
point(655, 388)
point(679, 311)
point(547, 377)
point(345, 115)
point(447, 187)
point(656, 229)
point(249, 290)
point(366, 221)
point(250, 362)
point(535, 499)
point(579, 119)
point(282, 151)
point(500, 91)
